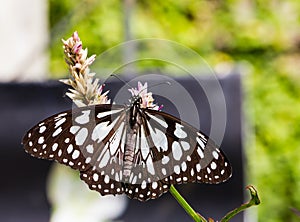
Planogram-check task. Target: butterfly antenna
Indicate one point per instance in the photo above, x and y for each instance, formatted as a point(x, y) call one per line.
point(114, 75)
point(157, 84)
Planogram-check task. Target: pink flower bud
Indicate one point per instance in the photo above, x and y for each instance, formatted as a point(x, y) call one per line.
point(77, 47)
point(75, 36)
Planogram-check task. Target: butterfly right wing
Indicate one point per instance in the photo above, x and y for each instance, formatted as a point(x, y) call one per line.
point(183, 153)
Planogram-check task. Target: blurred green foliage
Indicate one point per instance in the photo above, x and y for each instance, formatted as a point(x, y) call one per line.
point(264, 34)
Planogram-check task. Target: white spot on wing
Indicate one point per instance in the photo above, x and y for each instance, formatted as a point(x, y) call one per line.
point(199, 151)
point(154, 185)
point(61, 121)
point(202, 136)
point(159, 138)
point(88, 160)
point(185, 145)
point(90, 148)
point(104, 160)
point(198, 167)
point(84, 118)
point(116, 139)
point(54, 146)
point(117, 177)
point(102, 129)
point(106, 179)
point(75, 154)
point(144, 184)
point(61, 115)
point(134, 180)
point(95, 177)
point(165, 159)
point(215, 154)
point(41, 140)
point(188, 158)
point(176, 169)
point(150, 166)
point(42, 129)
point(200, 142)
point(74, 129)
point(107, 113)
point(81, 136)
point(144, 145)
point(192, 172)
point(56, 132)
point(70, 149)
point(183, 166)
point(213, 165)
point(176, 150)
point(179, 131)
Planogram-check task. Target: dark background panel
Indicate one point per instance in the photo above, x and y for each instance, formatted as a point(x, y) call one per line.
point(23, 179)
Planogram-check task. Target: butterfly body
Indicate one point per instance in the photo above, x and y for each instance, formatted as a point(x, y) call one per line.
point(128, 149)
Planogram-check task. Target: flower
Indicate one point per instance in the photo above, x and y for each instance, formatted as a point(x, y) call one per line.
point(85, 89)
point(78, 204)
point(147, 99)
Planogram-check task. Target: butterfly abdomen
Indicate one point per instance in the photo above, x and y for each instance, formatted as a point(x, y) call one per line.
point(131, 138)
point(129, 153)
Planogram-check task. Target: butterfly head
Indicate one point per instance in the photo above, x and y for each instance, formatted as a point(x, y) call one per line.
point(136, 101)
point(142, 98)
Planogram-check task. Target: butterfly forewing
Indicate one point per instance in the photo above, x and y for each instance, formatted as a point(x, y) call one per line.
point(114, 157)
point(52, 139)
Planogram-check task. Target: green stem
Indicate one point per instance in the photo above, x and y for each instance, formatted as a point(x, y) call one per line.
point(254, 201)
point(196, 217)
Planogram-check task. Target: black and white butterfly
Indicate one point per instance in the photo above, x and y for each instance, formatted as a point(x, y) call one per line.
point(128, 149)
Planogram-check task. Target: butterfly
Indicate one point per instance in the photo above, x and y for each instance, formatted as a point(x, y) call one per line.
point(132, 149)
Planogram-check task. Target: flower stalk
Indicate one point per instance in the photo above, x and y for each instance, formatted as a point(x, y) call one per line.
point(252, 202)
point(85, 90)
point(184, 204)
point(199, 218)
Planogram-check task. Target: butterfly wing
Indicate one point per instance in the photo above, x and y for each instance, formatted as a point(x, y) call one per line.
point(166, 151)
point(77, 138)
point(183, 153)
point(93, 140)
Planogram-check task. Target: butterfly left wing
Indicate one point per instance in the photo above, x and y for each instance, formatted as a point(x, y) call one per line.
point(76, 138)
